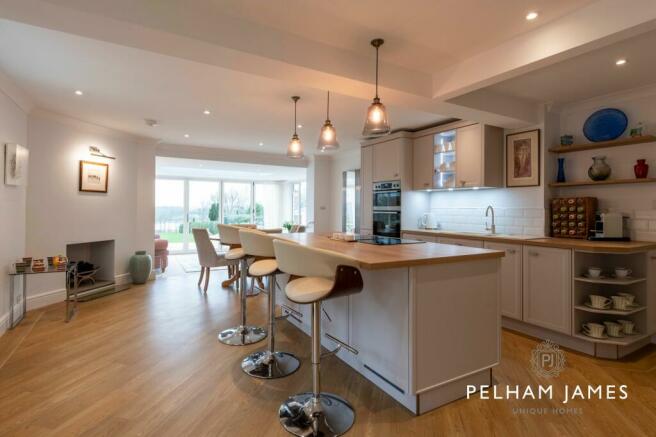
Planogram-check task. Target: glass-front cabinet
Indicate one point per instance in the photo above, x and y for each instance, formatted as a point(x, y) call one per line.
point(444, 159)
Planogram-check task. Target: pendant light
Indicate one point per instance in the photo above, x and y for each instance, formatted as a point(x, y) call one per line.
point(328, 135)
point(295, 147)
point(376, 123)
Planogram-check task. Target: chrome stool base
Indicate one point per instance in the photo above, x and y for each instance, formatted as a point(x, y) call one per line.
point(333, 416)
point(242, 335)
point(267, 365)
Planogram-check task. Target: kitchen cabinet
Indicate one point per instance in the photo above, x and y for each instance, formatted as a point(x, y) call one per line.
point(458, 155)
point(547, 290)
point(461, 242)
point(388, 158)
point(422, 162)
point(511, 278)
point(366, 195)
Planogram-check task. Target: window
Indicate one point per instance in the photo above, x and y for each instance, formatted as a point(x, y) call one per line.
point(237, 202)
point(267, 205)
point(170, 212)
point(350, 200)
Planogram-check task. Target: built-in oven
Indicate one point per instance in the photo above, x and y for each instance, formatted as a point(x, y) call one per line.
point(387, 209)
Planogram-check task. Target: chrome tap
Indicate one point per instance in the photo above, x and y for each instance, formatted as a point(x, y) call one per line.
point(493, 227)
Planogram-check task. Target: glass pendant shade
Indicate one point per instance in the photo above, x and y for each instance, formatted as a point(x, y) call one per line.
point(295, 147)
point(328, 135)
point(376, 123)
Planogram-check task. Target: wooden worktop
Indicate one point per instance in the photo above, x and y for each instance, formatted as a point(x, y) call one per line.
point(563, 243)
point(371, 256)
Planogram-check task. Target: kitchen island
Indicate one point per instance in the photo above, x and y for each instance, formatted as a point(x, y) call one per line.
point(427, 323)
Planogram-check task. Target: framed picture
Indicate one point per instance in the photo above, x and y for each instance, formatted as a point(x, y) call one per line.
point(523, 159)
point(94, 177)
point(16, 157)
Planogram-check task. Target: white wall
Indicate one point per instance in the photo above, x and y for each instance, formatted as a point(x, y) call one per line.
point(58, 214)
point(638, 201)
point(319, 198)
point(13, 129)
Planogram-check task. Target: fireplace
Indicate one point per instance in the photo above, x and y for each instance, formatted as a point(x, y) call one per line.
point(100, 254)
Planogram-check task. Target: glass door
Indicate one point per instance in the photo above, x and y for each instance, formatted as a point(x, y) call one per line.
point(204, 211)
point(267, 205)
point(237, 202)
point(170, 215)
point(444, 160)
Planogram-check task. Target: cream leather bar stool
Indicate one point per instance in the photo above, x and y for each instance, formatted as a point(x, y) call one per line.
point(243, 334)
point(323, 275)
point(267, 364)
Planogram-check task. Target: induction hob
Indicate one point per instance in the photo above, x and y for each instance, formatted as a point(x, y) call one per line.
point(385, 241)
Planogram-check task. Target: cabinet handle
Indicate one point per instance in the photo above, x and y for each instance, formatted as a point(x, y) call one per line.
point(426, 184)
point(533, 253)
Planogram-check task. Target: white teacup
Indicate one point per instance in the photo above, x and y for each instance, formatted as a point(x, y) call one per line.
point(622, 272)
point(613, 329)
point(620, 302)
point(594, 329)
point(338, 236)
point(627, 326)
point(601, 302)
point(628, 296)
point(594, 272)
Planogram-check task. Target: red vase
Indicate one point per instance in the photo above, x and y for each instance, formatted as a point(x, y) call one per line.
point(641, 169)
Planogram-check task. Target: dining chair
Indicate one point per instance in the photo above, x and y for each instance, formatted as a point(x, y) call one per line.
point(207, 256)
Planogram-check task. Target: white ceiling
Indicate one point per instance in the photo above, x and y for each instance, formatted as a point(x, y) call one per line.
point(422, 35)
point(195, 168)
point(589, 75)
point(122, 86)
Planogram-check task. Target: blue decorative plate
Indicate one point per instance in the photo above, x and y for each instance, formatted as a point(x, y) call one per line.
point(605, 125)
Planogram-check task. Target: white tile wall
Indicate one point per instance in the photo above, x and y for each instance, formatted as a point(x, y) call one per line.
point(643, 225)
point(526, 221)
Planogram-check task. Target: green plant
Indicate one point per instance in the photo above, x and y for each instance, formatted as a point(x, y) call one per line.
point(288, 225)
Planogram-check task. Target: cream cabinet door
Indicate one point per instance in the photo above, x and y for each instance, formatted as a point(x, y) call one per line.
point(651, 291)
point(547, 296)
point(387, 161)
point(366, 187)
point(422, 162)
point(461, 242)
point(511, 278)
point(469, 156)
point(420, 237)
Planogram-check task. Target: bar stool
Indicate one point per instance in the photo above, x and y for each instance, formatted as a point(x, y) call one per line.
point(323, 275)
point(243, 334)
point(267, 364)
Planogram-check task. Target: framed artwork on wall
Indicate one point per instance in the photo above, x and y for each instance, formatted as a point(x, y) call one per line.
point(523, 159)
point(94, 177)
point(16, 157)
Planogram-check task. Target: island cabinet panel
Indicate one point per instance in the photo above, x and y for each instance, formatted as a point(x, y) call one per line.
point(547, 296)
point(366, 194)
point(511, 278)
point(335, 320)
point(379, 328)
point(456, 322)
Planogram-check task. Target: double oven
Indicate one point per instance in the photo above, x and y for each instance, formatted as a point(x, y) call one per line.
point(387, 209)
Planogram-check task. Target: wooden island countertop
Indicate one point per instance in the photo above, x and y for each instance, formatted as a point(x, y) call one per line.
point(375, 257)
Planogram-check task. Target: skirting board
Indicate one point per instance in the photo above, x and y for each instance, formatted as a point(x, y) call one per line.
point(54, 296)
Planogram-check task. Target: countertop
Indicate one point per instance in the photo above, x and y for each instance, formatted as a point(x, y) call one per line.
point(373, 257)
point(563, 243)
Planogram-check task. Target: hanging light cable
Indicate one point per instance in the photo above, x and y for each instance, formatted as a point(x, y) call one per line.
point(295, 147)
point(328, 135)
point(376, 123)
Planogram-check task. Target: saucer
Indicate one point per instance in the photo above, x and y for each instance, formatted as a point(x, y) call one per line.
point(632, 334)
point(616, 336)
point(589, 305)
point(586, 275)
point(603, 336)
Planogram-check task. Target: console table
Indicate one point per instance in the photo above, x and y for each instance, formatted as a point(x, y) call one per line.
point(13, 321)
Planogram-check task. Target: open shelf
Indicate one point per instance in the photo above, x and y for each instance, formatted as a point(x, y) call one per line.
point(606, 182)
point(610, 312)
point(619, 341)
point(611, 281)
point(604, 144)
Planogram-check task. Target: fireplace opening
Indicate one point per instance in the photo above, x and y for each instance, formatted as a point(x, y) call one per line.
point(94, 267)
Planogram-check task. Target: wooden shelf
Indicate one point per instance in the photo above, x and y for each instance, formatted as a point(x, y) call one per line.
point(606, 182)
point(611, 281)
point(621, 341)
point(610, 312)
point(604, 144)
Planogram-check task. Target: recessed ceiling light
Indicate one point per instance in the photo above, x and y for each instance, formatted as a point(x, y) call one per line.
point(300, 126)
point(151, 122)
point(261, 143)
point(186, 135)
point(78, 92)
point(207, 112)
point(531, 16)
point(620, 62)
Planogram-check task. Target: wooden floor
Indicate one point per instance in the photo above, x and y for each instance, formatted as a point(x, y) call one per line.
point(146, 362)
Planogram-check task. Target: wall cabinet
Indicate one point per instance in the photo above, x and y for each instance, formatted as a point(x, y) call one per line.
point(511, 279)
point(458, 155)
point(366, 195)
point(547, 295)
point(388, 160)
point(461, 242)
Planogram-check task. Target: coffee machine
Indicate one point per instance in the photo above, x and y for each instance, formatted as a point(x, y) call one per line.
point(611, 226)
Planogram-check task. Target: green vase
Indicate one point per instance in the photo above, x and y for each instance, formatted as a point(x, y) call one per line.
point(140, 266)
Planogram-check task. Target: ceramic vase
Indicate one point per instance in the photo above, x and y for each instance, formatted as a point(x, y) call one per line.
point(140, 266)
point(641, 169)
point(599, 170)
point(561, 170)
